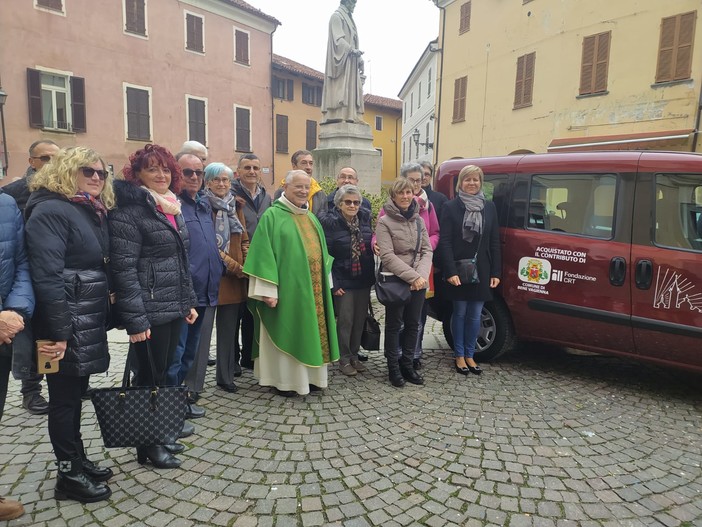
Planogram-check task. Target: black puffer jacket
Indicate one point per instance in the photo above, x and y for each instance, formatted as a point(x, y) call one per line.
point(338, 236)
point(65, 243)
point(149, 261)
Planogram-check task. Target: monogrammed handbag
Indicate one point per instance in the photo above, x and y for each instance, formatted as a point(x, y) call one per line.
point(140, 416)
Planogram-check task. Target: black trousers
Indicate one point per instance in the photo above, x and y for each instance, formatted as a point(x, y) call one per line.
point(5, 368)
point(227, 342)
point(247, 332)
point(65, 404)
point(410, 315)
point(163, 343)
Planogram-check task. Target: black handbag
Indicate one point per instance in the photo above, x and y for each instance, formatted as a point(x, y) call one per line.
point(370, 338)
point(467, 270)
point(391, 290)
point(140, 416)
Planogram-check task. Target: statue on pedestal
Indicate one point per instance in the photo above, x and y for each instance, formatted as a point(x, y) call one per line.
point(342, 96)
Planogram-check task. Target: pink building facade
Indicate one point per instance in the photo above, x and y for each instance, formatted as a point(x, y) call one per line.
point(117, 75)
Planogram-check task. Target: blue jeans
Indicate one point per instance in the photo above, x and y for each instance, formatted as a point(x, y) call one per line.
point(465, 325)
point(185, 351)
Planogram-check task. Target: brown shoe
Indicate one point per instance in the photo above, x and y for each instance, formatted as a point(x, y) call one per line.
point(349, 370)
point(358, 366)
point(10, 509)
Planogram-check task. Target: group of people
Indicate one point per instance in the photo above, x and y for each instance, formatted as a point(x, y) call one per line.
point(175, 245)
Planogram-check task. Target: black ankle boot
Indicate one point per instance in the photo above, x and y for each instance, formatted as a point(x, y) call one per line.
point(394, 374)
point(91, 469)
point(158, 456)
point(410, 375)
point(175, 448)
point(72, 483)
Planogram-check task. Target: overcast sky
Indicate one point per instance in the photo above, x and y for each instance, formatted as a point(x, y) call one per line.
point(392, 34)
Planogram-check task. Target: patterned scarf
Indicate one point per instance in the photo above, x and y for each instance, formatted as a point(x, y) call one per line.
point(95, 204)
point(473, 216)
point(226, 221)
point(357, 246)
point(168, 202)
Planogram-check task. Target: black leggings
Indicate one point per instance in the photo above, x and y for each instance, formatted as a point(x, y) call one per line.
point(163, 343)
point(65, 392)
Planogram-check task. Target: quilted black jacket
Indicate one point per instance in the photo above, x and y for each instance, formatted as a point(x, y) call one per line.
point(149, 260)
point(65, 247)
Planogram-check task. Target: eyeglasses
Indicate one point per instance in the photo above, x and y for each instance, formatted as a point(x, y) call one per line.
point(188, 172)
point(90, 172)
point(351, 202)
point(43, 159)
point(221, 180)
point(414, 181)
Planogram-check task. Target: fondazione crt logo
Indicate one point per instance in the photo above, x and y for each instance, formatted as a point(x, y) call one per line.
point(534, 270)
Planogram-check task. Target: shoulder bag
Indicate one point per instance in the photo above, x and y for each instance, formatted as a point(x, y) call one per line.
point(140, 416)
point(467, 268)
point(370, 337)
point(391, 290)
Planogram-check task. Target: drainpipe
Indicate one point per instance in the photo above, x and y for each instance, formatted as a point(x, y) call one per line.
point(437, 121)
point(397, 160)
point(270, 85)
point(696, 133)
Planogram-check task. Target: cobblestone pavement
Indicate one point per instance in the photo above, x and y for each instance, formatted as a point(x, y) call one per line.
point(543, 438)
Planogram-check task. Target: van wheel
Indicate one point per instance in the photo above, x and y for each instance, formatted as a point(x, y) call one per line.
point(496, 335)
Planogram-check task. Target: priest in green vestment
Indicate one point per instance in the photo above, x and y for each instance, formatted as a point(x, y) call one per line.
point(290, 294)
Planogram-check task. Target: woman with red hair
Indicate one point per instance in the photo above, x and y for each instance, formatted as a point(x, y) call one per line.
point(149, 257)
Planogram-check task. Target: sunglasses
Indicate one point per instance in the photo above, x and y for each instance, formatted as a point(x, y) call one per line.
point(43, 159)
point(90, 172)
point(351, 202)
point(188, 172)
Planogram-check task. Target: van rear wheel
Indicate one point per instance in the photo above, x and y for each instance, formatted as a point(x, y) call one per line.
point(496, 335)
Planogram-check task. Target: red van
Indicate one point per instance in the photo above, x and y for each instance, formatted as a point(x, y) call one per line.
point(602, 251)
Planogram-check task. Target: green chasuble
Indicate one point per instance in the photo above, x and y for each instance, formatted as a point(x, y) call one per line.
point(290, 251)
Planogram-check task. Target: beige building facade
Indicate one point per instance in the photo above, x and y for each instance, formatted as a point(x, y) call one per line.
point(568, 75)
point(130, 72)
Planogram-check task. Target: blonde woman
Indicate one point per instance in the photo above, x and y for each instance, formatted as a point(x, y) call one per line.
point(67, 245)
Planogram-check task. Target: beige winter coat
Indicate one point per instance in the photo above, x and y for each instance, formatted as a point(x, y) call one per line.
point(396, 237)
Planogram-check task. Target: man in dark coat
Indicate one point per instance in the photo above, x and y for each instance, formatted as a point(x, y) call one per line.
point(40, 153)
point(16, 308)
point(206, 268)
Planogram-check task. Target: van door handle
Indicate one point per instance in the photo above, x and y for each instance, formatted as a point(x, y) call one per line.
point(644, 274)
point(617, 271)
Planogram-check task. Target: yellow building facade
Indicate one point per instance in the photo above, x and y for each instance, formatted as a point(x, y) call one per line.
point(568, 75)
point(384, 115)
point(297, 100)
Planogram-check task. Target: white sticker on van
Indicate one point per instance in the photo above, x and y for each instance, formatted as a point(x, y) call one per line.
point(673, 291)
point(534, 270)
point(565, 255)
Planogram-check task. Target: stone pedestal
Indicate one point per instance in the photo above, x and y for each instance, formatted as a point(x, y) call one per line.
point(348, 145)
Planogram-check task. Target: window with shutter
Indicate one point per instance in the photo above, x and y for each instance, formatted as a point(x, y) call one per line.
point(595, 63)
point(460, 86)
point(524, 84)
point(242, 124)
point(241, 46)
point(56, 5)
point(464, 24)
point(379, 122)
point(138, 114)
point(194, 33)
point(290, 91)
point(281, 133)
point(429, 83)
point(310, 135)
point(56, 101)
point(675, 47)
point(197, 120)
point(135, 17)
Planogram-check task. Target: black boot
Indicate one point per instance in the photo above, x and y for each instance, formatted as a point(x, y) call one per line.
point(394, 374)
point(410, 375)
point(175, 448)
point(237, 358)
point(91, 469)
point(158, 455)
point(74, 484)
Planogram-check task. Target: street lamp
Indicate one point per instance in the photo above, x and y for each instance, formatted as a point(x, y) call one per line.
point(3, 98)
point(415, 137)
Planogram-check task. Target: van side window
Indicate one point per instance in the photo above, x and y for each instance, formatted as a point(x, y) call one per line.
point(574, 203)
point(679, 211)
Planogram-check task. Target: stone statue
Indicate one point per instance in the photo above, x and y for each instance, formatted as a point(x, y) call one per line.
point(342, 96)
